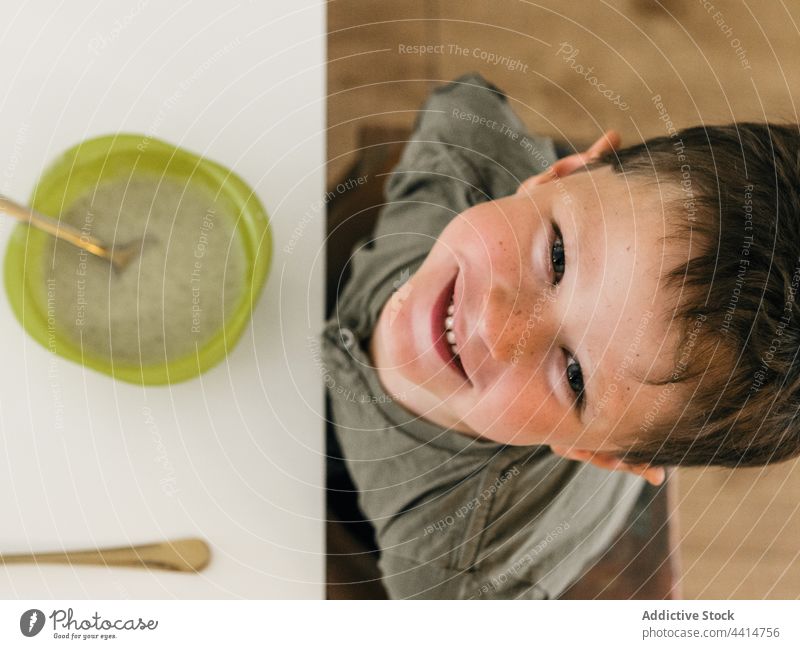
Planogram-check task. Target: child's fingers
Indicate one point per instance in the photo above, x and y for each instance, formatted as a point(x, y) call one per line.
point(653, 474)
point(570, 453)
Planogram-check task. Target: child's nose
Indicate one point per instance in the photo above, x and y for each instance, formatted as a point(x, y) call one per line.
point(514, 326)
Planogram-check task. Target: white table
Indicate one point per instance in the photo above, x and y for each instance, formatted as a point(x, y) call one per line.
point(236, 455)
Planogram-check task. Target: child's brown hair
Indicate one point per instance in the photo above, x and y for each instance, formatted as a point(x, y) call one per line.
point(738, 206)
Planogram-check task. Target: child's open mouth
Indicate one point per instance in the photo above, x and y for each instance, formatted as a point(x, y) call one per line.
point(443, 329)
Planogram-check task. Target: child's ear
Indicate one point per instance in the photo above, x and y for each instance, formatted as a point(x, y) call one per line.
point(609, 141)
point(655, 475)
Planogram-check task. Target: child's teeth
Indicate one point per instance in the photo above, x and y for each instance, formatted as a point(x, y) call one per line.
point(448, 328)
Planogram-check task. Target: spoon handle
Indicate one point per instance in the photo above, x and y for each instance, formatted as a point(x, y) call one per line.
point(60, 230)
point(184, 555)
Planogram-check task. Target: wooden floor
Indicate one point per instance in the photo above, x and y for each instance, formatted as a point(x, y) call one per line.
point(739, 530)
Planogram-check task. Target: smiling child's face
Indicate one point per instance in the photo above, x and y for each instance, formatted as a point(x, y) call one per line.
point(555, 293)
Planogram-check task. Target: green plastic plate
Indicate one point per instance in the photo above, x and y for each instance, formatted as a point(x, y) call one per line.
point(108, 158)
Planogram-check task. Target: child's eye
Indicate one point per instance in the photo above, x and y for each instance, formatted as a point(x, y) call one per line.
point(575, 378)
point(557, 260)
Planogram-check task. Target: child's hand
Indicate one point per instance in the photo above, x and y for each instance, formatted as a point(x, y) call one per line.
point(655, 475)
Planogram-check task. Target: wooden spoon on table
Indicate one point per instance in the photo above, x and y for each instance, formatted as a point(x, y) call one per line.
point(182, 555)
point(120, 255)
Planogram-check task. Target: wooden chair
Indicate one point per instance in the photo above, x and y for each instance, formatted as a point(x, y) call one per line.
point(643, 560)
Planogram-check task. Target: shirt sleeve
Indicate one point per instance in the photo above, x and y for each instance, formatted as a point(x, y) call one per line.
point(468, 146)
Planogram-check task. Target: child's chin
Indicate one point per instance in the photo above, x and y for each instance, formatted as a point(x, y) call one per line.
point(497, 432)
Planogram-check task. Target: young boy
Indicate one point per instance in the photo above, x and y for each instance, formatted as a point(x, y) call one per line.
point(514, 312)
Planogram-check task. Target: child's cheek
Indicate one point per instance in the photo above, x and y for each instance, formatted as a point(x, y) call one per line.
point(395, 304)
point(528, 415)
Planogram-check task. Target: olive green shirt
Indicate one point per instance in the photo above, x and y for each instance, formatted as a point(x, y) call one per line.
point(455, 516)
